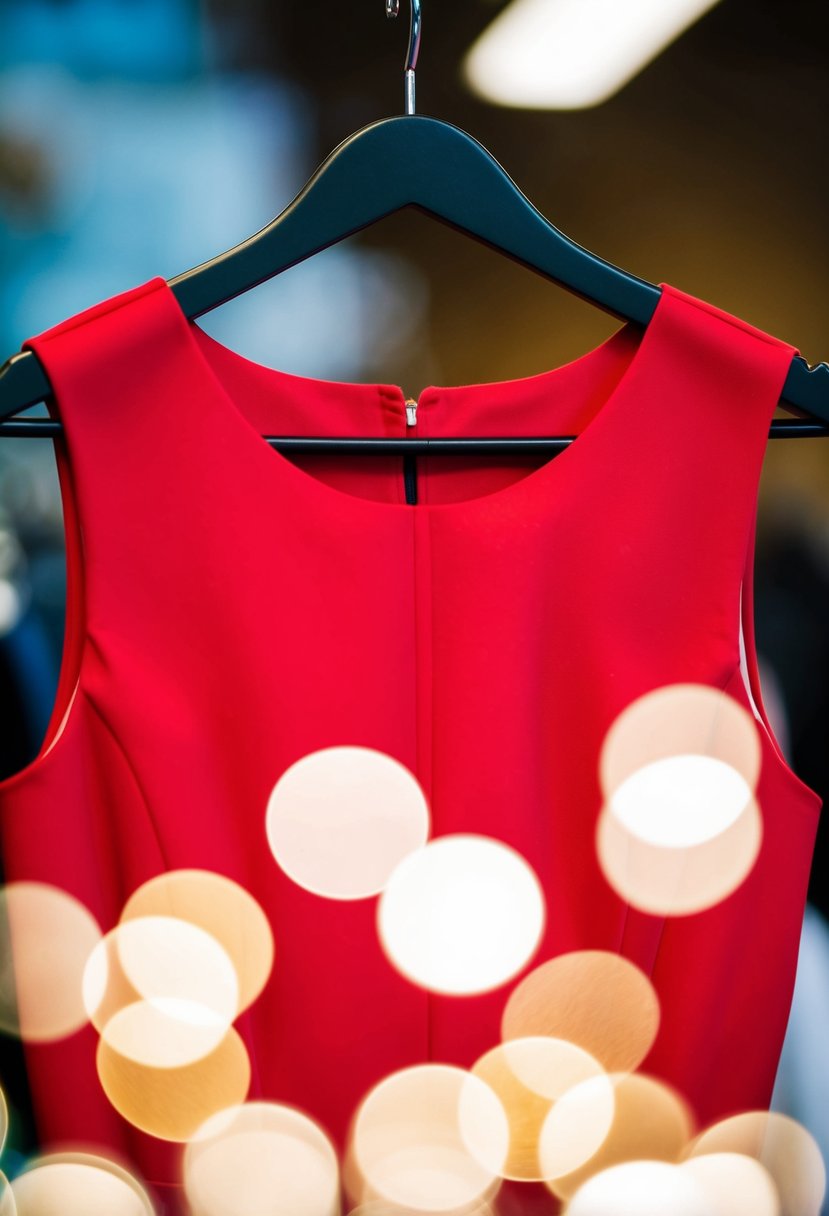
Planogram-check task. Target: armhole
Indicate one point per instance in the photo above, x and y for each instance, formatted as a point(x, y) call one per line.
point(74, 630)
point(750, 669)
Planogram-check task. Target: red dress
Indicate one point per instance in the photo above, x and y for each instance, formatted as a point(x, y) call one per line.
point(231, 610)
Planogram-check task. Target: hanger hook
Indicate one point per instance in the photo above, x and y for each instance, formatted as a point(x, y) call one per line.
point(392, 9)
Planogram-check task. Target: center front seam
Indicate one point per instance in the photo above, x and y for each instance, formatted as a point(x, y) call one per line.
point(424, 682)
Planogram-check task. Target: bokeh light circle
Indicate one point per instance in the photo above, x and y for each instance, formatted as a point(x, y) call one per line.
point(222, 908)
point(640, 1188)
point(261, 1157)
point(150, 976)
point(783, 1146)
point(78, 1184)
point(680, 801)
point(381, 1207)
point(172, 1103)
point(736, 1185)
point(678, 881)
point(680, 720)
point(47, 936)
point(360, 1198)
point(163, 956)
point(432, 1137)
point(576, 1127)
point(595, 999)
point(8, 1207)
point(164, 1033)
point(530, 1076)
point(461, 915)
point(340, 819)
point(650, 1121)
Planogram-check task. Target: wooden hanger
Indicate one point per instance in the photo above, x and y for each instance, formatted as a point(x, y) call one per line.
point(429, 164)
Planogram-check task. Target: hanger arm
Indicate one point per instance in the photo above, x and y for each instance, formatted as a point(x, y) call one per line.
point(807, 388)
point(438, 168)
point(23, 382)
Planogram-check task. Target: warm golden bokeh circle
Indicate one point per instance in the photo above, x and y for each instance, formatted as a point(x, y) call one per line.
point(261, 1157)
point(164, 1034)
point(78, 1184)
point(222, 908)
point(155, 981)
point(432, 1137)
point(172, 1103)
point(461, 915)
point(340, 819)
point(650, 1121)
point(105, 987)
point(576, 1128)
point(530, 1076)
point(47, 936)
point(594, 999)
point(782, 1146)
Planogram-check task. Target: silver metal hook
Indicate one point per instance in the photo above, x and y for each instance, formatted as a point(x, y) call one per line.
point(392, 9)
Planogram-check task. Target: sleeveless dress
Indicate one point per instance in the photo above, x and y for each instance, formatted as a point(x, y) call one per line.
point(230, 610)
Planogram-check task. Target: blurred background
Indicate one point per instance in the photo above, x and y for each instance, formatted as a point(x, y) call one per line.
point(142, 137)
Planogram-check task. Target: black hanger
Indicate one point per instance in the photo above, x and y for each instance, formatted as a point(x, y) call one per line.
point(429, 164)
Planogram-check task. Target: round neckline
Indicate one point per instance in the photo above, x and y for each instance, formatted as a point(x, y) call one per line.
point(392, 396)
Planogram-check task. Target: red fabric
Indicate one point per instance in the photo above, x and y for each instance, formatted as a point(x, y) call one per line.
point(231, 610)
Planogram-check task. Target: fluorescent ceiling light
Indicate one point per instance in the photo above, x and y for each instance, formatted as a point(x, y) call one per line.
point(566, 54)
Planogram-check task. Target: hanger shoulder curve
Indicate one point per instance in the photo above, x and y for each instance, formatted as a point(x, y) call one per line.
point(394, 163)
point(807, 388)
point(434, 166)
point(23, 382)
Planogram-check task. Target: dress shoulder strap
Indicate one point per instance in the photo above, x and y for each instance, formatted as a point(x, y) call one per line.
point(123, 463)
point(710, 388)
